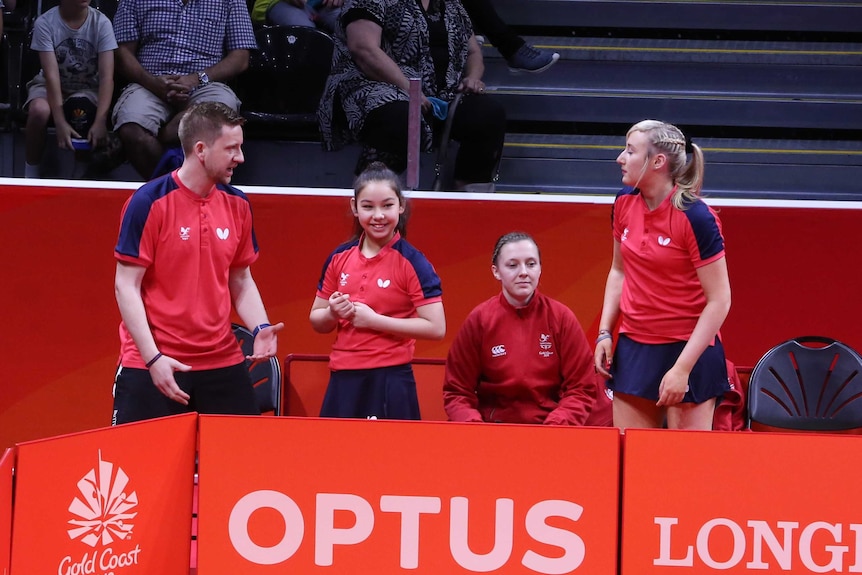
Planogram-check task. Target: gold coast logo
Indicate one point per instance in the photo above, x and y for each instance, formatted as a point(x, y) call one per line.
point(103, 510)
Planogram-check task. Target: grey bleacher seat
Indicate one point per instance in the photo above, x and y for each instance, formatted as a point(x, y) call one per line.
point(774, 94)
point(285, 78)
point(789, 15)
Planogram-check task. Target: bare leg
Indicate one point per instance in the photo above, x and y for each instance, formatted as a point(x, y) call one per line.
point(691, 415)
point(38, 113)
point(142, 149)
point(637, 412)
point(169, 135)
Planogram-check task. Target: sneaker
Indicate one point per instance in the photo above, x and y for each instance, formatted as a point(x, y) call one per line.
point(530, 59)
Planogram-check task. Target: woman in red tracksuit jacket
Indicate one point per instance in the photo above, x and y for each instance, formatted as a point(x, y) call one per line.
point(522, 357)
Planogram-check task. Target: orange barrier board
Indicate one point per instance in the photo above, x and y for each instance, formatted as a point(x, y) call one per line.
point(710, 502)
point(309, 496)
point(7, 463)
point(113, 501)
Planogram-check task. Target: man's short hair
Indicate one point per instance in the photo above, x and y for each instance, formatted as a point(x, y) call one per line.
point(204, 122)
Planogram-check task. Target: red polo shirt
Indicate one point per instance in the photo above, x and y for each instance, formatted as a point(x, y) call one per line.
point(662, 297)
point(393, 283)
point(188, 244)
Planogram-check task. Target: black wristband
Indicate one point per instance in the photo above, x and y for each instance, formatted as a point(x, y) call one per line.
point(154, 360)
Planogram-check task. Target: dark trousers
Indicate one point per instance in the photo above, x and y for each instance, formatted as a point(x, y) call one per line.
point(479, 126)
point(487, 22)
point(227, 390)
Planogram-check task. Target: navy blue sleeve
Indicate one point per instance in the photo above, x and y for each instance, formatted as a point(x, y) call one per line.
point(428, 278)
point(707, 232)
point(338, 250)
point(138, 212)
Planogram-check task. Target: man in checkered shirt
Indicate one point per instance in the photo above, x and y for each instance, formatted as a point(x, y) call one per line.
point(174, 53)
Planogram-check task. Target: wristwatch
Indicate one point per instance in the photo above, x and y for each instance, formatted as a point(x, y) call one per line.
point(203, 79)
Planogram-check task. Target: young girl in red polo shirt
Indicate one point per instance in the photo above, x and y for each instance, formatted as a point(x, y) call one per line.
point(380, 294)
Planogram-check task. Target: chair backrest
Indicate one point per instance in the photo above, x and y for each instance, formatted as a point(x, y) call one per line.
point(307, 375)
point(288, 71)
point(808, 383)
point(265, 374)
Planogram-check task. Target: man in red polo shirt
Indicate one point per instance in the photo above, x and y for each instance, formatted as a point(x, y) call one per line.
point(185, 246)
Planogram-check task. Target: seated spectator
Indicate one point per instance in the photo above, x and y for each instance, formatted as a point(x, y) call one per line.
point(174, 54)
point(76, 47)
point(8, 6)
point(522, 357)
point(379, 45)
point(322, 14)
point(520, 56)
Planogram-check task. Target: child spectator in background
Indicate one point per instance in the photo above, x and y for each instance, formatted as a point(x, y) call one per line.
point(380, 294)
point(76, 46)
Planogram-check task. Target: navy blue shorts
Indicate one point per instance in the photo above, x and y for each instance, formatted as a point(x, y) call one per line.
point(639, 367)
point(227, 390)
point(378, 393)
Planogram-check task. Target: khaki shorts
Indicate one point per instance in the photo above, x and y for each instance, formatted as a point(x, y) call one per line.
point(37, 88)
point(137, 105)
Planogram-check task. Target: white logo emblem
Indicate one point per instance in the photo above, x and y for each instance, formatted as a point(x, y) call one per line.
point(383, 283)
point(222, 233)
point(343, 280)
point(625, 235)
point(103, 506)
point(184, 233)
point(498, 351)
point(663, 241)
point(545, 345)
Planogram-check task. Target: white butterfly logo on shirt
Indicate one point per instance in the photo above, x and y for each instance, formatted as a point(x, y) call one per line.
point(663, 241)
point(383, 283)
point(222, 233)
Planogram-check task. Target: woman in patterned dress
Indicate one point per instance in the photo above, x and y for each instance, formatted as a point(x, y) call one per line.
point(379, 45)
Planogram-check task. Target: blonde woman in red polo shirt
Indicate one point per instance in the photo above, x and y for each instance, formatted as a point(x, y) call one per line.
point(379, 294)
point(668, 287)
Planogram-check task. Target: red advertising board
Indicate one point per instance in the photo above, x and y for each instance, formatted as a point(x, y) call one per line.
point(696, 503)
point(114, 501)
point(7, 463)
point(305, 495)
